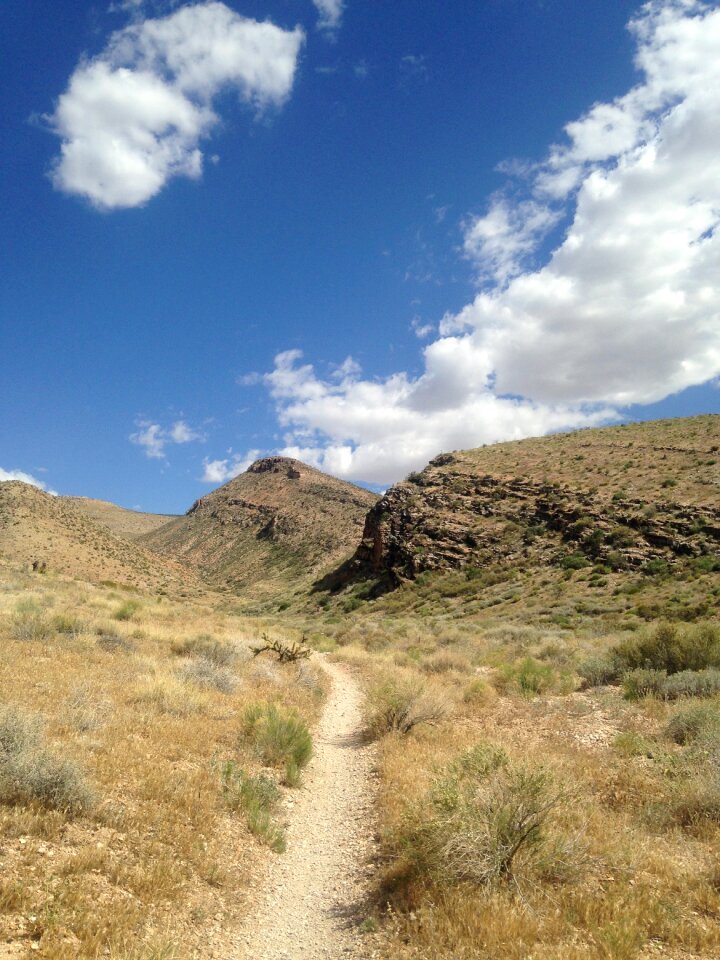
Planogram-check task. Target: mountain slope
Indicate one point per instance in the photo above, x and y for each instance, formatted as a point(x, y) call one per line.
point(125, 523)
point(278, 523)
point(37, 526)
point(619, 496)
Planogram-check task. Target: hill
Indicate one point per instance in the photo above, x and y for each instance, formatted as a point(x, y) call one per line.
point(125, 523)
point(281, 521)
point(632, 497)
point(37, 526)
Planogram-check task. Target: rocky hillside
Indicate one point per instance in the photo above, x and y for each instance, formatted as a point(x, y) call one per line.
point(35, 526)
point(125, 523)
point(278, 523)
point(635, 496)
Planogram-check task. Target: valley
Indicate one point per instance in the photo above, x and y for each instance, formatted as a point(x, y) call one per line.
point(503, 742)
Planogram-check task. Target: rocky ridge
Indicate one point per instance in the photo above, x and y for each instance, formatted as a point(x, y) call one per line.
point(455, 514)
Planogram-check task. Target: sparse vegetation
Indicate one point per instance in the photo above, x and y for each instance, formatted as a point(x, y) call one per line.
point(29, 772)
point(256, 796)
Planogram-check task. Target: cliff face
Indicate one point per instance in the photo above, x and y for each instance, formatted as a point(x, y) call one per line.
point(456, 514)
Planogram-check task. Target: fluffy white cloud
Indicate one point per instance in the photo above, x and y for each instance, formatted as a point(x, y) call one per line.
point(625, 310)
point(330, 13)
point(220, 471)
point(154, 438)
point(23, 477)
point(134, 116)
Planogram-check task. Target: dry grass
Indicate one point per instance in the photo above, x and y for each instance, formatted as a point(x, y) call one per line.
point(625, 859)
point(143, 871)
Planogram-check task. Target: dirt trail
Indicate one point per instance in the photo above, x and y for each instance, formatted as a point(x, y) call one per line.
point(310, 904)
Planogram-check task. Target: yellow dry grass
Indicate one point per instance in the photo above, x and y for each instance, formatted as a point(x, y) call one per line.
point(154, 867)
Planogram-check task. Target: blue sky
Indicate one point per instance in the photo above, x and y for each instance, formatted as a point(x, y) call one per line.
point(356, 232)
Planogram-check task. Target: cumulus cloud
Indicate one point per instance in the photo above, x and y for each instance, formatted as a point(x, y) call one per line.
point(220, 471)
point(329, 14)
point(625, 309)
point(6, 475)
point(153, 438)
point(134, 117)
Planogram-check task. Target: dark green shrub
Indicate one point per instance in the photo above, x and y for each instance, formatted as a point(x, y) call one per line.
point(574, 561)
point(671, 648)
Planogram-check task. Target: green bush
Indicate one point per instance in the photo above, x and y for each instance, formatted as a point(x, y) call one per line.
point(643, 683)
point(693, 724)
point(401, 702)
point(485, 821)
point(127, 610)
point(530, 677)
point(29, 773)
point(671, 648)
point(598, 671)
point(280, 737)
point(256, 796)
point(67, 625)
point(574, 561)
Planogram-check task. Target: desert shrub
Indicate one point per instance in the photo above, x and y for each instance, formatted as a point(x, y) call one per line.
point(479, 693)
point(485, 821)
point(400, 702)
point(691, 683)
point(445, 661)
point(597, 671)
point(30, 625)
point(693, 724)
point(29, 773)
point(67, 625)
point(280, 737)
point(256, 796)
point(204, 645)
point(86, 711)
point(127, 610)
point(574, 561)
point(528, 676)
point(697, 799)
point(643, 683)
point(109, 640)
point(671, 648)
point(205, 673)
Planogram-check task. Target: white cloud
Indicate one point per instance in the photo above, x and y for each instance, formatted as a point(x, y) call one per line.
point(624, 311)
point(134, 116)
point(180, 432)
point(329, 14)
point(220, 471)
point(7, 475)
point(154, 438)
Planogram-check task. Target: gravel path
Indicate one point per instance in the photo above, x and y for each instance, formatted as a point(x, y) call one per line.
point(312, 901)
